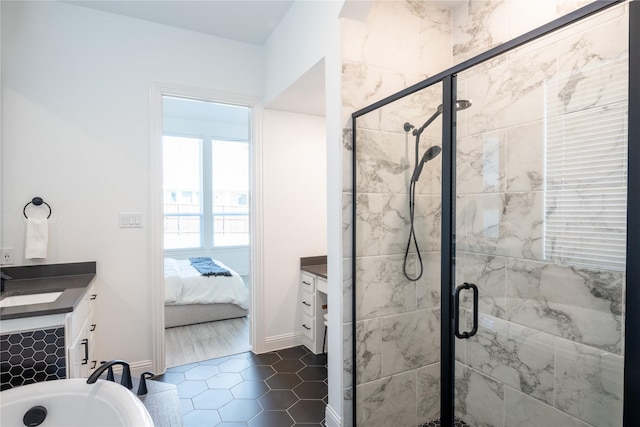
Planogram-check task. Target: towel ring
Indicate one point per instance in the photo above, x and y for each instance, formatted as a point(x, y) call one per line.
point(36, 201)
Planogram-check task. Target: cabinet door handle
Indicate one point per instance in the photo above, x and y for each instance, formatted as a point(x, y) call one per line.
point(306, 303)
point(93, 364)
point(93, 327)
point(306, 283)
point(306, 327)
point(93, 296)
point(85, 343)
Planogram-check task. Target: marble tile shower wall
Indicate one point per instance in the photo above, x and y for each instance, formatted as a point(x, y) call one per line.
point(395, 311)
point(550, 341)
point(507, 364)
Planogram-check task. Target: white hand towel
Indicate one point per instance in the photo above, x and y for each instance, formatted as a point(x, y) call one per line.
point(37, 238)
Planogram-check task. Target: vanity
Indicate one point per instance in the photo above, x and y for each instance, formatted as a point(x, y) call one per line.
point(312, 302)
point(47, 323)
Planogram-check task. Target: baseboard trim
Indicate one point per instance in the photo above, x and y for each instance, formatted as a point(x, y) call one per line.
point(278, 342)
point(332, 419)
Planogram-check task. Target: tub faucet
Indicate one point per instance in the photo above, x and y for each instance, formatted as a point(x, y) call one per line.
point(3, 277)
point(126, 373)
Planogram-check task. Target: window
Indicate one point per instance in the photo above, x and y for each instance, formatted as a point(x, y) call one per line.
point(182, 189)
point(230, 161)
point(206, 174)
point(586, 169)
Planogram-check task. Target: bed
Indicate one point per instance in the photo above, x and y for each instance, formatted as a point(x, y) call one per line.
point(193, 298)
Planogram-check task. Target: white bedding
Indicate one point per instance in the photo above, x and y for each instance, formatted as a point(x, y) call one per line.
point(183, 284)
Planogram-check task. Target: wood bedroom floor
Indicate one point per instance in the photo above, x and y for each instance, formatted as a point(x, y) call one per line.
point(203, 341)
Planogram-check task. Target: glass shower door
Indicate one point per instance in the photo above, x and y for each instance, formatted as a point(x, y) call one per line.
point(540, 226)
point(397, 171)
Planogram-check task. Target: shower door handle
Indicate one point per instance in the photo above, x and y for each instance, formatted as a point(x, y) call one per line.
point(474, 288)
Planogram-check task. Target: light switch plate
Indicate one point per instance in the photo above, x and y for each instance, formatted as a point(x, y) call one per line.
point(130, 220)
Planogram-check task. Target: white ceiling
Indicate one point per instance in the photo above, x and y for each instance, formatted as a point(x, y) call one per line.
point(249, 21)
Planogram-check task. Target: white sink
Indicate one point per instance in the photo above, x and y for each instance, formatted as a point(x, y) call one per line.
point(43, 298)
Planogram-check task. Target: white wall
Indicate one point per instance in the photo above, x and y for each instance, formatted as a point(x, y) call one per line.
point(294, 180)
point(75, 114)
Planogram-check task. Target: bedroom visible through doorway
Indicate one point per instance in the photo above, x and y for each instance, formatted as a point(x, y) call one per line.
point(206, 193)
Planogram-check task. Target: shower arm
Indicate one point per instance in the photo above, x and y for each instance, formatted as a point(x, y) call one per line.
point(418, 131)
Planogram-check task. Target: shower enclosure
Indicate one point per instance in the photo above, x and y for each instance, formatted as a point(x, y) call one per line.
point(491, 247)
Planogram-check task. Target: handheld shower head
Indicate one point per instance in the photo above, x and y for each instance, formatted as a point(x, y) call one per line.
point(431, 153)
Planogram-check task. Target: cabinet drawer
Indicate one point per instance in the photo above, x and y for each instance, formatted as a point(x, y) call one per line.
point(322, 285)
point(308, 282)
point(307, 327)
point(307, 301)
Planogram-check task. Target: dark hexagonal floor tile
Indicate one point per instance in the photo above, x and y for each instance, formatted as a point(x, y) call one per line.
point(249, 390)
point(240, 410)
point(288, 365)
point(307, 411)
point(257, 372)
point(311, 390)
point(277, 400)
point(272, 419)
point(293, 352)
point(314, 359)
point(225, 380)
point(283, 381)
point(313, 373)
point(263, 359)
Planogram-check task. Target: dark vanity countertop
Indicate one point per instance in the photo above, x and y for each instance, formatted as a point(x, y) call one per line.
point(315, 265)
point(72, 279)
point(318, 270)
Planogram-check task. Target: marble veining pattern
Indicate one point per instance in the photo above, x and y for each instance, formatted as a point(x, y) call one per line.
point(489, 274)
point(589, 383)
point(401, 349)
point(428, 391)
point(524, 411)
point(382, 288)
point(390, 401)
point(514, 355)
point(575, 303)
point(479, 400)
point(368, 350)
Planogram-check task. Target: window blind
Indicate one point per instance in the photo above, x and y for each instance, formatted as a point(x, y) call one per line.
point(586, 167)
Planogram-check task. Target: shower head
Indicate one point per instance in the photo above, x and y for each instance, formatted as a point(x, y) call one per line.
point(431, 153)
point(462, 104)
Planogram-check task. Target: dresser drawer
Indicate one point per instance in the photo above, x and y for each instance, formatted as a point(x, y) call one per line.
point(307, 327)
point(307, 301)
point(308, 282)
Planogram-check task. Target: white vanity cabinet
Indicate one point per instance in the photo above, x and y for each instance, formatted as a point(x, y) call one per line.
point(312, 302)
point(81, 335)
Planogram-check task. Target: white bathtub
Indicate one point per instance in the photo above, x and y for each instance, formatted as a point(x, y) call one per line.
point(73, 402)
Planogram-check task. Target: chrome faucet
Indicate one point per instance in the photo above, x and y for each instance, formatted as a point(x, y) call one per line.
point(108, 366)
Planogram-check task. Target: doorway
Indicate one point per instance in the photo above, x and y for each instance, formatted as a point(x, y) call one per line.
point(206, 215)
point(204, 206)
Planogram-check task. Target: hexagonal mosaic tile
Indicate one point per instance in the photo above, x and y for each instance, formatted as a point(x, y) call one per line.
point(31, 356)
point(283, 388)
